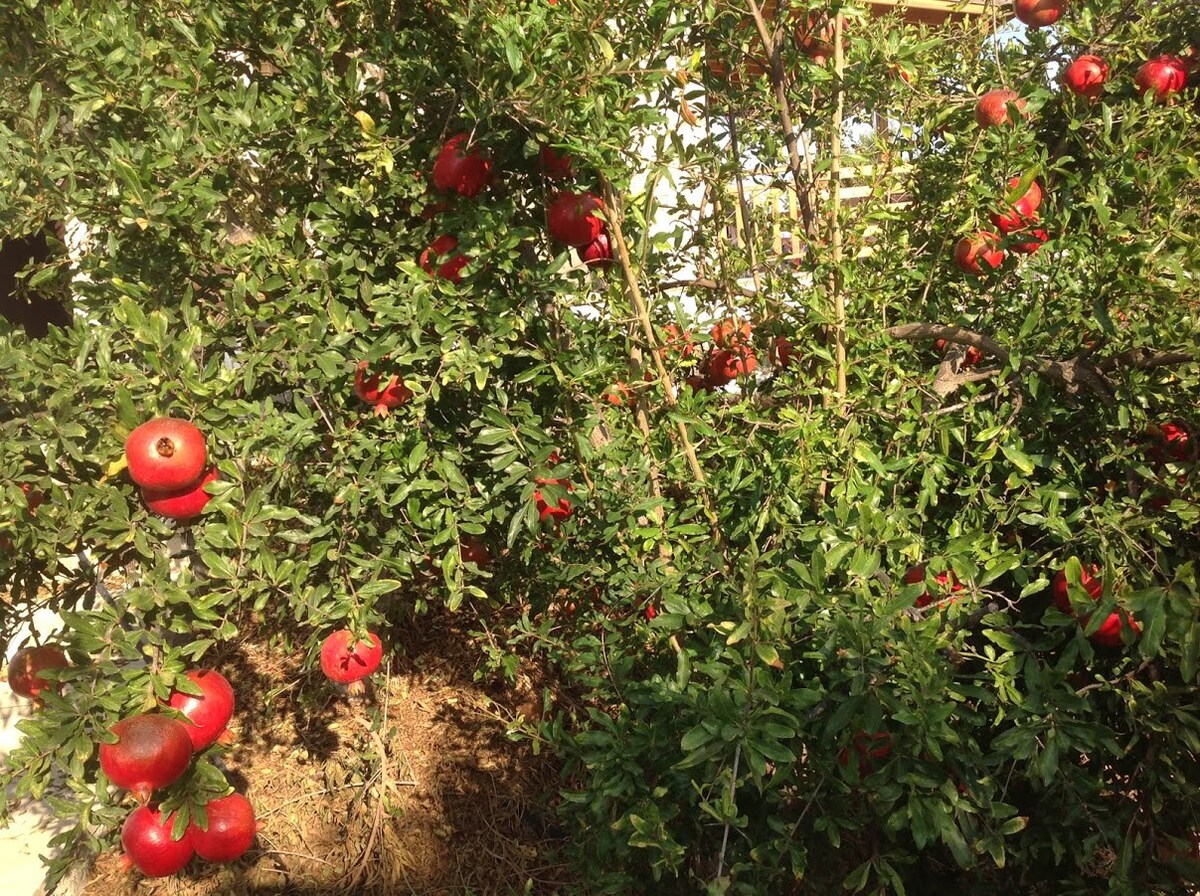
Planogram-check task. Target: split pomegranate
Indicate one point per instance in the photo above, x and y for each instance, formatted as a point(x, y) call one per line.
point(26, 666)
point(165, 454)
point(230, 832)
point(391, 396)
point(146, 837)
point(183, 504)
point(208, 713)
point(150, 752)
point(347, 659)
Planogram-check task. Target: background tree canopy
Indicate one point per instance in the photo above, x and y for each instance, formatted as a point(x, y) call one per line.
point(748, 688)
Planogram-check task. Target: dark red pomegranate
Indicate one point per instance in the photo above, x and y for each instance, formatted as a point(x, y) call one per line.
point(867, 749)
point(146, 836)
point(231, 829)
point(151, 751)
point(24, 671)
point(210, 712)
point(557, 165)
point(572, 218)
point(473, 549)
point(181, 504)
point(1089, 578)
point(597, 253)
point(165, 454)
point(347, 660)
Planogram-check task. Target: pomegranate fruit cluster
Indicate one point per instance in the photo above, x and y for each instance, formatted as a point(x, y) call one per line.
point(167, 459)
point(150, 752)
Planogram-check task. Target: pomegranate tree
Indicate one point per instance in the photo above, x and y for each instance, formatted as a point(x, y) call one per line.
point(149, 753)
point(230, 830)
point(146, 837)
point(165, 454)
point(207, 713)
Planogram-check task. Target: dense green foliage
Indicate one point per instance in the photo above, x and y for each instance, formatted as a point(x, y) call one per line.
point(255, 176)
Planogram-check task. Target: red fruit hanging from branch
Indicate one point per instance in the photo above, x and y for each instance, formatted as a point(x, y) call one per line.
point(462, 168)
point(385, 399)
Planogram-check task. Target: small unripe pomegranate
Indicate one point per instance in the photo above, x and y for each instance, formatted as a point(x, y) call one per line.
point(24, 671)
point(183, 504)
point(165, 454)
point(231, 829)
point(151, 751)
point(209, 713)
point(347, 660)
point(146, 837)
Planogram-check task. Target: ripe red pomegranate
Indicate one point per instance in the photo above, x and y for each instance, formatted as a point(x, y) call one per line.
point(473, 549)
point(1171, 441)
point(1164, 75)
point(1086, 76)
point(208, 713)
point(597, 253)
point(150, 752)
point(451, 269)
point(1028, 242)
point(946, 581)
point(1039, 13)
point(619, 395)
point(971, 357)
point(347, 660)
point(979, 254)
point(781, 352)
point(731, 332)
point(559, 511)
point(26, 666)
point(146, 836)
point(1109, 633)
point(557, 165)
point(992, 108)
point(165, 454)
point(460, 168)
point(230, 832)
point(33, 498)
point(572, 218)
point(386, 399)
point(183, 504)
point(1021, 212)
point(867, 750)
point(725, 365)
